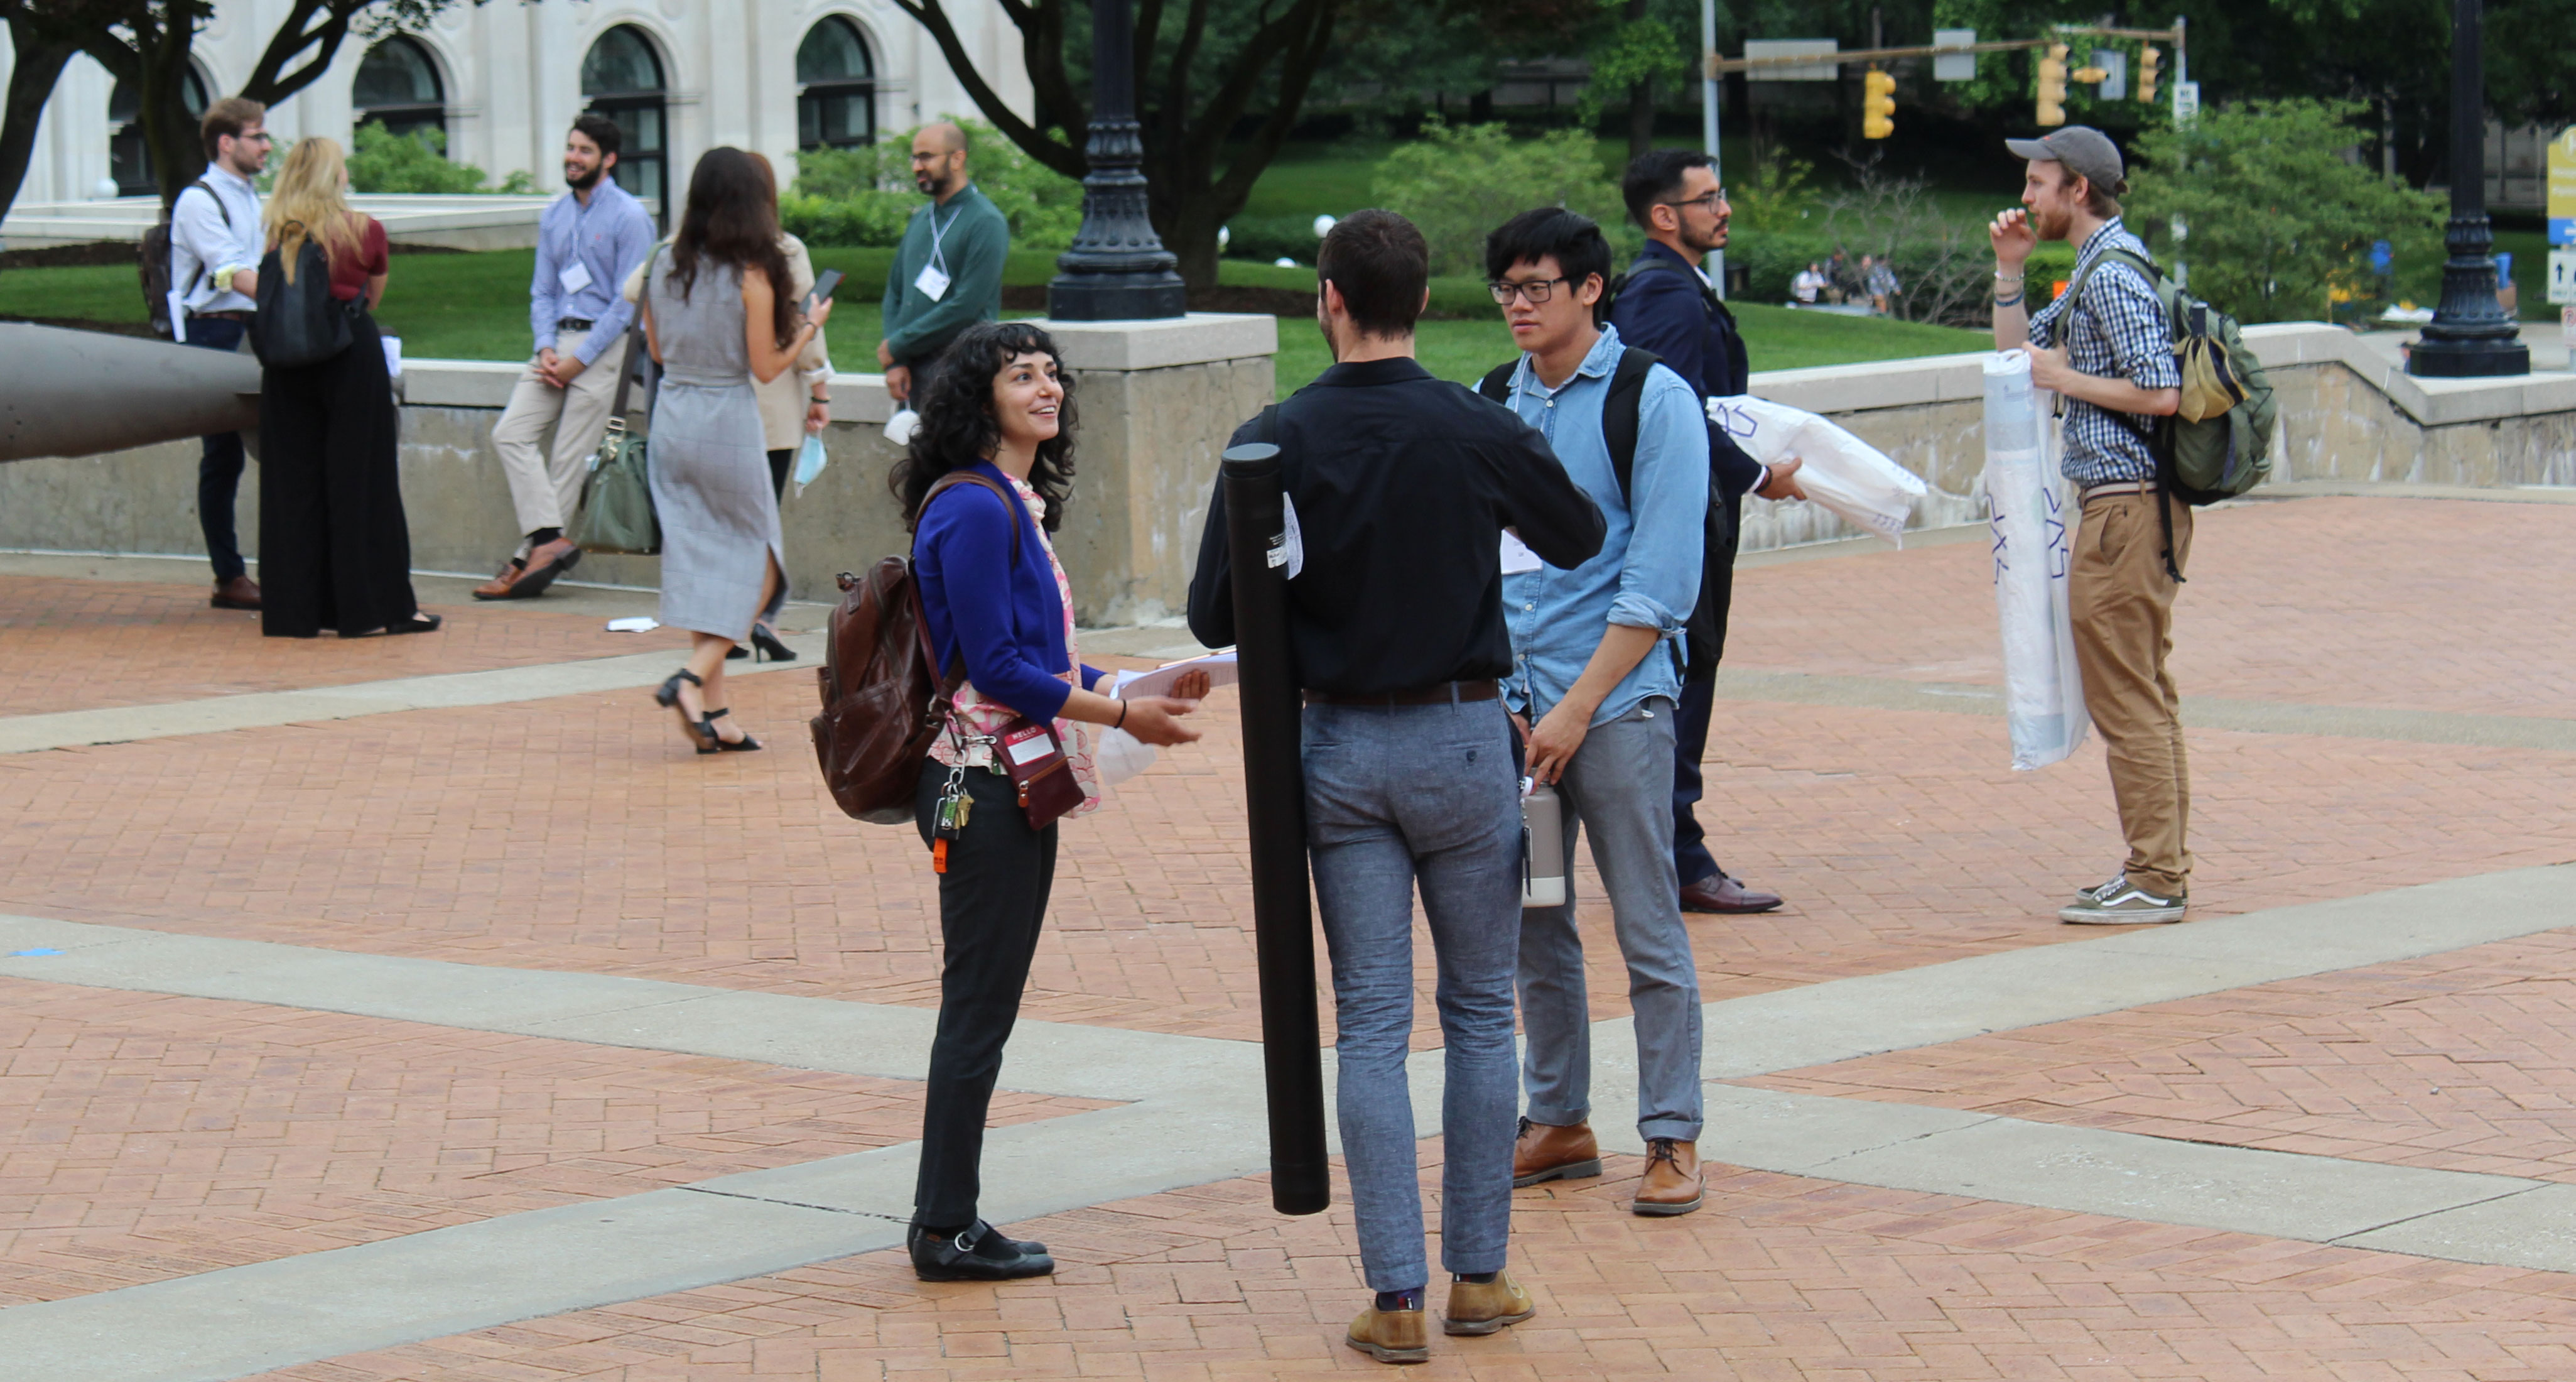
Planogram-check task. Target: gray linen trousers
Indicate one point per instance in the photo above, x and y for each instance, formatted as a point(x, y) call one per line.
point(709, 470)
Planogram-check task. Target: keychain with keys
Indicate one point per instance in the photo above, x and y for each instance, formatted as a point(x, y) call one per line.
point(949, 819)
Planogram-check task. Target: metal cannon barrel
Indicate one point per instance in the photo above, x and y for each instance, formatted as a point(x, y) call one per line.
point(80, 393)
point(1274, 788)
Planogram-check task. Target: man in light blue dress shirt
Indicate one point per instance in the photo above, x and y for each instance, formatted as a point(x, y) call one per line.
point(1596, 671)
point(587, 243)
point(215, 248)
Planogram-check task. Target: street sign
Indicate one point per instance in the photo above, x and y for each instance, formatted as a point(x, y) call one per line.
point(2562, 188)
point(2186, 100)
point(2562, 276)
point(1793, 48)
point(1954, 67)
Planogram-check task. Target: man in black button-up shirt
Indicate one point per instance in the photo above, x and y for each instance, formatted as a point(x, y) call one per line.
point(1402, 486)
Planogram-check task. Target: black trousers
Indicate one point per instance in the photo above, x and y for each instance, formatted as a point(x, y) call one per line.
point(219, 462)
point(335, 550)
point(1691, 860)
point(991, 902)
point(780, 462)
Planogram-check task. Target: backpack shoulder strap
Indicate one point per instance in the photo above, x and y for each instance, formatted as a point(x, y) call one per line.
point(956, 478)
point(1497, 383)
point(638, 352)
point(1619, 412)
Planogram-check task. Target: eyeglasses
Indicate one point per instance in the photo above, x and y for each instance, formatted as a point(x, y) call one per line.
point(1537, 290)
point(1709, 203)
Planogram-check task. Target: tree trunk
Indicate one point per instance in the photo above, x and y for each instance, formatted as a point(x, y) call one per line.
point(36, 64)
point(1641, 100)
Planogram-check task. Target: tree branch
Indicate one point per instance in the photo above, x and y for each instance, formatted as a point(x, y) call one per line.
point(1297, 71)
point(932, 15)
point(266, 85)
point(1279, 37)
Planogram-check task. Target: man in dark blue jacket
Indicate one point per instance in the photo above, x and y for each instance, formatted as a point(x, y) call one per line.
point(1668, 307)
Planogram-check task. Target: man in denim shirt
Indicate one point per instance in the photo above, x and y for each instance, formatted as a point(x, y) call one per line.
point(1596, 669)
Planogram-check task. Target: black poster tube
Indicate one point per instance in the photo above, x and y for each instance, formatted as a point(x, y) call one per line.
point(1274, 785)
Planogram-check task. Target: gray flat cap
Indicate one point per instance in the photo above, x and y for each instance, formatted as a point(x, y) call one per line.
point(2086, 152)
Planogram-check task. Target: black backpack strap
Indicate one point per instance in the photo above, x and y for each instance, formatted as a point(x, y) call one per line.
point(1497, 383)
point(1619, 412)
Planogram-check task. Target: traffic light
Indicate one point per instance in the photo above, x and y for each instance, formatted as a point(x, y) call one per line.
point(2052, 85)
point(1878, 105)
point(2148, 57)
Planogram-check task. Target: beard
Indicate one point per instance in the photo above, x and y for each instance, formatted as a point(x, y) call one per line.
point(585, 181)
point(1325, 328)
point(2052, 221)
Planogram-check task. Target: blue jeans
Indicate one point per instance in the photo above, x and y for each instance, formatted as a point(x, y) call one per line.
point(219, 463)
point(1615, 788)
point(1395, 796)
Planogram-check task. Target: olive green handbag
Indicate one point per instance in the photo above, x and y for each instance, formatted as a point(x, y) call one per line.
point(617, 500)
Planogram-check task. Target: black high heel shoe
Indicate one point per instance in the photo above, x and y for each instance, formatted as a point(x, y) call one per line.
point(770, 645)
point(745, 744)
point(702, 736)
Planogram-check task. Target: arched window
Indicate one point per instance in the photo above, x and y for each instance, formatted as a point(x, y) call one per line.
point(622, 77)
point(129, 158)
point(398, 87)
point(836, 97)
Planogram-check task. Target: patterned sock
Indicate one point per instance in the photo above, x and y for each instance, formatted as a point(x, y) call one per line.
point(1400, 1300)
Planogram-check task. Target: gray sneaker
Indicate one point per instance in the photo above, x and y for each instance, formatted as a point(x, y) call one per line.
point(2086, 897)
point(2124, 905)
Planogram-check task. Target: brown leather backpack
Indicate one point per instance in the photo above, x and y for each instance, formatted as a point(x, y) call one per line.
point(884, 703)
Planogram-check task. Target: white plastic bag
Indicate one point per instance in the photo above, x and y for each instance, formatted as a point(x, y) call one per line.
point(2033, 515)
point(1851, 478)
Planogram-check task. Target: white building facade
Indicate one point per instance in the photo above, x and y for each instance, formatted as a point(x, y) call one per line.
point(505, 80)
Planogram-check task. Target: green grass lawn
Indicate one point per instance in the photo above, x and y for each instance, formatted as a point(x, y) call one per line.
point(474, 307)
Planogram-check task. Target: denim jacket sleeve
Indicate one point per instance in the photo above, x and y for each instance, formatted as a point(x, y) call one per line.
point(1668, 506)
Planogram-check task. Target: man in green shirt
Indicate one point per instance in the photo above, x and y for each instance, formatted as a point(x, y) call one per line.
point(947, 273)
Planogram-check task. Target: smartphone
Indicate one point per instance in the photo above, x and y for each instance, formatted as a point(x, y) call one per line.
point(824, 283)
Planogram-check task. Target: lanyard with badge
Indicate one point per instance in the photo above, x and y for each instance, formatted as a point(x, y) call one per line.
point(933, 279)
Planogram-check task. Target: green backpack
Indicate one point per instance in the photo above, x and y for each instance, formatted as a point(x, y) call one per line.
point(2219, 445)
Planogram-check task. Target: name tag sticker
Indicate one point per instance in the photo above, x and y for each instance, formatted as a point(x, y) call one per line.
point(575, 276)
point(1032, 748)
point(932, 281)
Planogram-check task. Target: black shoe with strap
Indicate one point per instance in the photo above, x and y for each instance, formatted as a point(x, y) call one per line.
point(745, 744)
point(979, 1253)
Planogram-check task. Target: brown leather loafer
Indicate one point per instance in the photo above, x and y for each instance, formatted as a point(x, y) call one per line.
point(1544, 1152)
point(499, 586)
point(1391, 1336)
point(1486, 1307)
point(1672, 1184)
point(1726, 896)
point(241, 592)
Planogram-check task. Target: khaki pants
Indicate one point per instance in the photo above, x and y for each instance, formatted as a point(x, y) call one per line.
point(2123, 608)
point(545, 486)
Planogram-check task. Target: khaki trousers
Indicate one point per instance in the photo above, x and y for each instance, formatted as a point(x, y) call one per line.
point(545, 486)
point(2122, 602)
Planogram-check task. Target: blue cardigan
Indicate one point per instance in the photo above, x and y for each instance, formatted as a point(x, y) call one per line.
point(1005, 617)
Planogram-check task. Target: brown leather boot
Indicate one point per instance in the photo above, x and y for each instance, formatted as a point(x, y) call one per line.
point(240, 592)
point(1486, 1307)
point(1545, 1152)
point(1672, 1184)
point(1391, 1336)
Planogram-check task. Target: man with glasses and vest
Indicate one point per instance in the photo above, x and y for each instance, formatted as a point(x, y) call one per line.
point(215, 247)
point(1667, 306)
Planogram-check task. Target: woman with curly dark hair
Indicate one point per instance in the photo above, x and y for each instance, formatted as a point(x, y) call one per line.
point(986, 479)
point(720, 311)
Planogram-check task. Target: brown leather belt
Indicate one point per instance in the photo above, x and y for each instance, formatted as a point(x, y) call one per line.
point(2094, 492)
point(1437, 693)
point(232, 316)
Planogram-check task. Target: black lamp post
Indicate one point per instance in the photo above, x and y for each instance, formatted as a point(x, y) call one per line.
point(1117, 269)
point(2470, 335)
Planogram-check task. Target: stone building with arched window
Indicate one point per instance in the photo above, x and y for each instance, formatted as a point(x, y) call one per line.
point(503, 83)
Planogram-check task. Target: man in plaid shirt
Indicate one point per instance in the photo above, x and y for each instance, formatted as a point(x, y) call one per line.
point(2110, 356)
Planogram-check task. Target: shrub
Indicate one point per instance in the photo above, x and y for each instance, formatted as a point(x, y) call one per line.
point(1458, 182)
point(870, 187)
point(388, 162)
point(2275, 218)
point(1779, 196)
point(1267, 238)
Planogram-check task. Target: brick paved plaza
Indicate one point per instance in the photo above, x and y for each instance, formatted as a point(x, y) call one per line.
point(361, 1005)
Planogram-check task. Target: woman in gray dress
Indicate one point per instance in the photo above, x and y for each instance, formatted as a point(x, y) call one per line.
point(719, 313)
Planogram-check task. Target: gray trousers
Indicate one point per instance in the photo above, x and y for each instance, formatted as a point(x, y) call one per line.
point(1619, 788)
